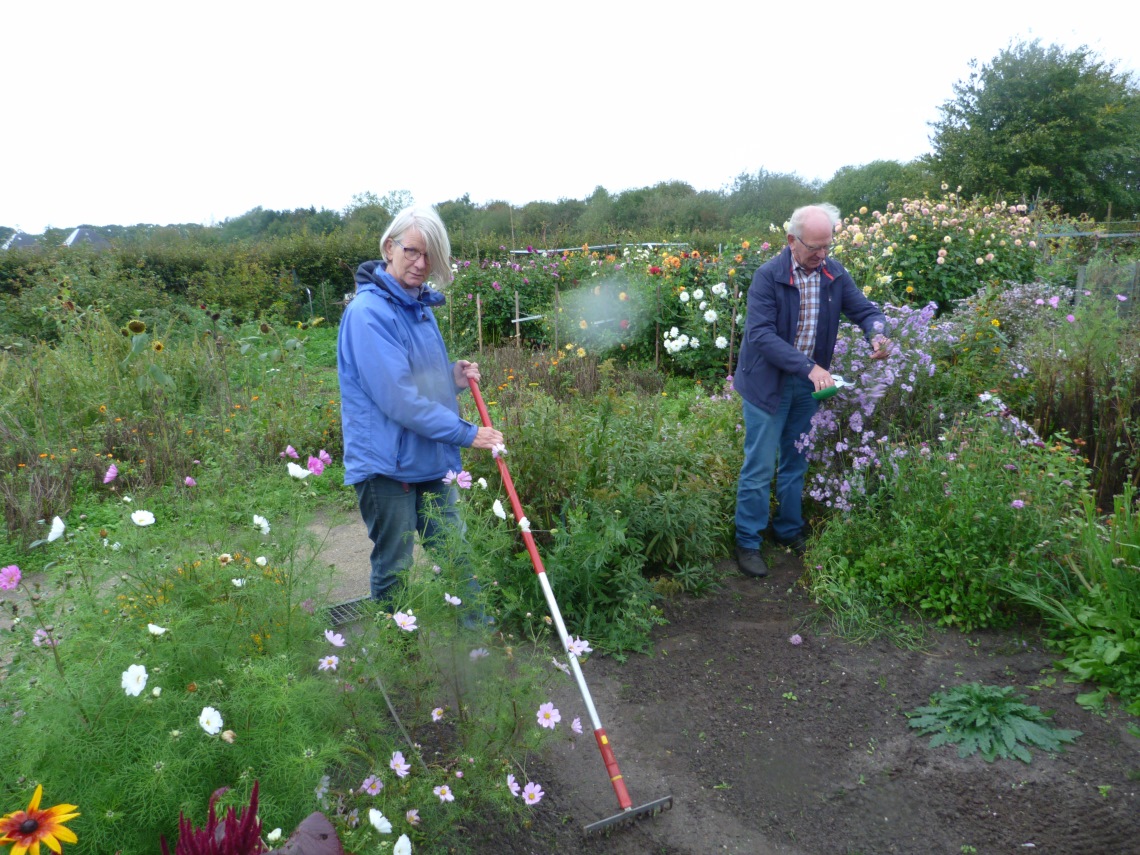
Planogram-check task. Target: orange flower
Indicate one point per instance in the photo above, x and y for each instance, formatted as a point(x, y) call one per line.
point(26, 829)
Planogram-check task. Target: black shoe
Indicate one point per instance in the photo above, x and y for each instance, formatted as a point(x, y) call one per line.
point(751, 562)
point(797, 544)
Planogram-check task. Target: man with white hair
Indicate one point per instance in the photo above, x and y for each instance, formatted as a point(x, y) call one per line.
point(794, 303)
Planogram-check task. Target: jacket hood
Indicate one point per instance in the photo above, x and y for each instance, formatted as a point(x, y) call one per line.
point(374, 276)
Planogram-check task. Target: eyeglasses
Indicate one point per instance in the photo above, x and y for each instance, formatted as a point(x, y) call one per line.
point(411, 253)
point(810, 247)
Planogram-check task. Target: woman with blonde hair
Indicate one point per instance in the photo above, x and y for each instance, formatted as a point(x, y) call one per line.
point(399, 396)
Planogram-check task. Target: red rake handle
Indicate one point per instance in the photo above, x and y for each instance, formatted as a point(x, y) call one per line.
point(604, 746)
point(516, 505)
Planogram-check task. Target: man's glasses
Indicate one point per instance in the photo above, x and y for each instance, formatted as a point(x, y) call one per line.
point(411, 253)
point(808, 246)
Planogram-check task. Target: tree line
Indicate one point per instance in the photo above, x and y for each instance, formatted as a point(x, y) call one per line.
point(1035, 124)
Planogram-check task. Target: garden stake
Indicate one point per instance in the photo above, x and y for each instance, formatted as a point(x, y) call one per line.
point(628, 812)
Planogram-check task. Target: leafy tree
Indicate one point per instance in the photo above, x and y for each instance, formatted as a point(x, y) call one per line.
point(874, 184)
point(755, 201)
point(370, 214)
point(1040, 120)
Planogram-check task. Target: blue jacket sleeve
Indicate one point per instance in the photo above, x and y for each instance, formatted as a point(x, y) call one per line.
point(861, 311)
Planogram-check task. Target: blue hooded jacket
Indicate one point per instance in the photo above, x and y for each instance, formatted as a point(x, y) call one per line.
point(398, 405)
point(767, 348)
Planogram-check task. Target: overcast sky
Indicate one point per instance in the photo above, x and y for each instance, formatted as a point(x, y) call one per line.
point(150, 112)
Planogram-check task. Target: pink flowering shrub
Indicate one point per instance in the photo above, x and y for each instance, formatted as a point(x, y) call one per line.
point(941, 250)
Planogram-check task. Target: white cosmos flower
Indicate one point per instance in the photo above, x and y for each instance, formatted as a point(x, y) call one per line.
point(57, 529)
point(498, 509)
point(156, 691)
point(210, 720)
point(524, 524)
point(142, 518)
point(238, 583)
point(261, 561)
point(482, 482)
point(155, 629)
point(296, 471)
point(274, 835)
point(379, 821)
point(262, 523)
point(134, 680)
point(403, 846)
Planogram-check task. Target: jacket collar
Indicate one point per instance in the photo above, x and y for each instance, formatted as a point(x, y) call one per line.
point(786, 273)
point(374, 275)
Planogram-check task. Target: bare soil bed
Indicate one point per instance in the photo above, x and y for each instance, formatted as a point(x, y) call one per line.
point(767, 747)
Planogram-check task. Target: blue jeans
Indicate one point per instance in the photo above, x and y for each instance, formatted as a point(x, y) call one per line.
point(765, 436)
point(393, 512)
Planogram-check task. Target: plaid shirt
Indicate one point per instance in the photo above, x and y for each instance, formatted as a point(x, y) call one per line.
point(808, 284)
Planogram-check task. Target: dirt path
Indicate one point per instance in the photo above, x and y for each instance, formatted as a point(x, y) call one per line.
point(768, 747)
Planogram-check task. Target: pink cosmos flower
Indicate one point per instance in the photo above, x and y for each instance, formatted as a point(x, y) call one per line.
point(576, 725)
point(315, 466)
point(463, 480)
point(328, 663)
point(532, 793)
point(1017, 504)
point(479, 653)
point(397, 765)
point(1070, 318)
point(437, 714)
point(9, 577)
point(1121, 298)
point(444, 793)
point(190, 482)
point(579, 646)
point(406, 622)
point(413, 816)
point(565, 669)
point(42, 638)
point(1054, 301)
point(334, 638)
point(795, 640)
point(455, 601)
point(324, 457)
point(548, 716)
point(513, 785)
point(112, 474)
point(450, 477)
point(290, 451)
point(372, 785)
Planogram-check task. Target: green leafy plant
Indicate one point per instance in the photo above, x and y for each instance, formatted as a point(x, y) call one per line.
point(988, 720)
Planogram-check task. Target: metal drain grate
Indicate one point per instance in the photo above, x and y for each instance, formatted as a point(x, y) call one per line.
point(347, 612)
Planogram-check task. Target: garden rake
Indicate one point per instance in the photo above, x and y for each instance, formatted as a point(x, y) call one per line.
point(628, 811)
